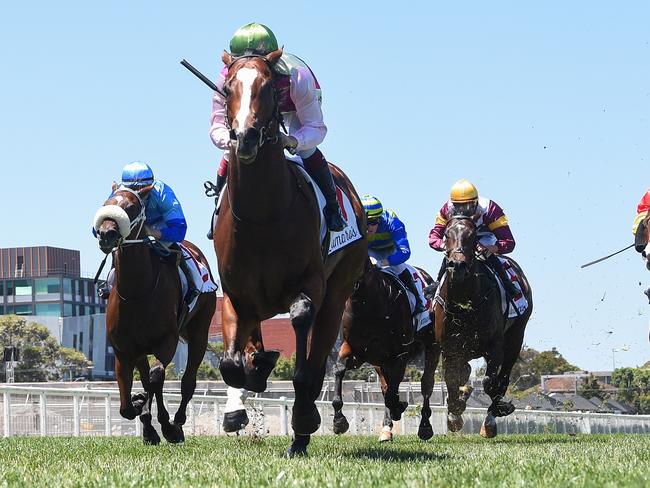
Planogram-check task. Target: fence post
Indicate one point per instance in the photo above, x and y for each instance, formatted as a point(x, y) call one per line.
point(43, 410)
point(75, 415)
point(284, 416)
point(193, 417)
point(107, 415)
point(217, 427)
point(6, 396)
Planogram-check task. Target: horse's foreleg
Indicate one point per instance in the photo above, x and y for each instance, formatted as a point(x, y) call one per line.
point(393, 377)
point(494, 359)
point(124, 376)
point(340, 423)
point(305, 419)
point(235, 417)
point(431, 355)
point(171, 432)
point(457, 372)
point(149, 434)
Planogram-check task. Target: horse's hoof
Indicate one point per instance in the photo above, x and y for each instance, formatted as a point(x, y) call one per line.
point(489, 427)
point(385, 436)
point(397, 410)
point(139, 400)
point(150, 437)
point(425, 431)
point(503, 409)
point(296, 451)
point(232, 373)
point(256, 382)
point(235, 421)
point(173, 433)
point(454, 422)
point(305, 423)
point(340, 424)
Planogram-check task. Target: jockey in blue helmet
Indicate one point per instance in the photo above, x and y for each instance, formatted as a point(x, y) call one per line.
point(387, 243)
point(164, 220)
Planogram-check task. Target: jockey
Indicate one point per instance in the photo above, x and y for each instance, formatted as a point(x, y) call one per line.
point(299, 99)
point(387, 243)
point(492, 227)
point(164, 221)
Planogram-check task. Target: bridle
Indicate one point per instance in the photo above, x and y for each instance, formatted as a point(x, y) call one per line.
point(267, 132)
point(459, 249)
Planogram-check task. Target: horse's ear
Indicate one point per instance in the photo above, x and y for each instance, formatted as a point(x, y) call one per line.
point(274, 56)
point(114, 187)
point(143, 192)
point(227, 58)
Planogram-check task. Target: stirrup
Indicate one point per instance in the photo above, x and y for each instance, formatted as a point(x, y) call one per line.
point(210, 189)
point(103, 291)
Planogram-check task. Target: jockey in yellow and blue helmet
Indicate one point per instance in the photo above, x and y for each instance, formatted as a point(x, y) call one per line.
point(388, 244)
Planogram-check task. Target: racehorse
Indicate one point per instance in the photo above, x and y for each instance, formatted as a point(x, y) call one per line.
point(470, 323)
point(377, 329)
point(143, 311)
point(267, 241)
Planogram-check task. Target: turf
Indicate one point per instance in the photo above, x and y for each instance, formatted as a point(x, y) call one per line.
point(517, 460)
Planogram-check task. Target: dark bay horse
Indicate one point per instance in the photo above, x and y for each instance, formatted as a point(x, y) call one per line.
point(469, 323)
point(377, 329)
point(142, 314)
point(267, 240)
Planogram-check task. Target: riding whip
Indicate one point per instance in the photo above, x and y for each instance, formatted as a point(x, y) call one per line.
point(606, 257)
point(202, 77)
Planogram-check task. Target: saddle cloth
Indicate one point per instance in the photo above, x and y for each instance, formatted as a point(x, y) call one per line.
point(200, 277)
point(338, 240)
point(520, 302)
point(424, 318)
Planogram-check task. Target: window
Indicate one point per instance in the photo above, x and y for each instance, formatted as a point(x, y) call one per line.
point(67, 288)
point(81, 341)
point(2, 290)
point(47, 286)
point(67, 309)
point(23, 288)
point(10, 288)
point(74, 341)
point(20, 261)
point(48, 309)
point(24, 309)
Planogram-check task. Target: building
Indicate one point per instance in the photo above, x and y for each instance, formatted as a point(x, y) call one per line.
point(45, 281)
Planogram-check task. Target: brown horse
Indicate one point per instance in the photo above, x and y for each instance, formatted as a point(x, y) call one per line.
point(143, 312)
point(269, 251)
point(469, 323)
point(377, 329)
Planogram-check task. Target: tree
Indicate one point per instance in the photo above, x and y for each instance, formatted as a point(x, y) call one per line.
point(633, 387)
point(531, 364)
point(207, 372)
point(590, 388)
point(284, 368)
point(42, 358)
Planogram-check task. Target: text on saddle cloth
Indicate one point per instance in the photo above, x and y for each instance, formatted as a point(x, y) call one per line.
point(200, 276)
point(423, 319)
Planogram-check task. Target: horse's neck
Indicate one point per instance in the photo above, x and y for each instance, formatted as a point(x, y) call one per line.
point(261, 190)
point(134, 269)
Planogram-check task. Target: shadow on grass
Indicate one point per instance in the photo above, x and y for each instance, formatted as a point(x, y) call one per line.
point(395, 455)
point(529, 439)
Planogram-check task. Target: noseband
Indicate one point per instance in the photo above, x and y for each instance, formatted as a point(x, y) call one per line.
point(267, 134)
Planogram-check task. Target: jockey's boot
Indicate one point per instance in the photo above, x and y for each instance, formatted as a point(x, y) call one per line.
point(409, 282)
point(215, 191)
point(192, 292)
point(323, 178)
point(495, 263)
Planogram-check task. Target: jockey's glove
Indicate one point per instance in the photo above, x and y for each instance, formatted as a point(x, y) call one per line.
point(289, 142)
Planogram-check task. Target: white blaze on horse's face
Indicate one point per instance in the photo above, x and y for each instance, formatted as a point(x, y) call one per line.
point(247, 77)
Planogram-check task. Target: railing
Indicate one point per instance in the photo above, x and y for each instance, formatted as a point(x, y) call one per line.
point(42, 411)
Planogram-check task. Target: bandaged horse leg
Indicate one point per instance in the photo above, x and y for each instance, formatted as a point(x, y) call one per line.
point(457, 372)
point(235, 417)
point(149, 434)
point(386, 433)
point(340, 423)
point(431, 355)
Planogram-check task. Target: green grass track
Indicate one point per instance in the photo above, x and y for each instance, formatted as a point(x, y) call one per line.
point(455, 461)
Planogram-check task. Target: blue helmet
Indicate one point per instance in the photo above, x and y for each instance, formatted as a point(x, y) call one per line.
point(137, 175)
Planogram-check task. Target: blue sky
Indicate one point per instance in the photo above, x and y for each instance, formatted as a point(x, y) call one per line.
point(544, 106)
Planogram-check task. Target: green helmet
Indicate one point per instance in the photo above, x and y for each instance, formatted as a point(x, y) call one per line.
point(253, 38)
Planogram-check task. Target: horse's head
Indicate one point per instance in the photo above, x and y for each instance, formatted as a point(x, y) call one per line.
point(251, 105)
point(121, 217)
point(460, 246)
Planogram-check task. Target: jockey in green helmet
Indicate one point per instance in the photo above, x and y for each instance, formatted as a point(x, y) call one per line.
point(299, 98)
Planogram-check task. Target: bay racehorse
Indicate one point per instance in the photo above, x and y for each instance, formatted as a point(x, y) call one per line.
point(267, 241)
point(378, 329)
point(470, 323)
point(143, 311)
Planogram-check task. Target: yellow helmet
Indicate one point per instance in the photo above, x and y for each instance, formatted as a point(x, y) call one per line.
point(463, 191)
